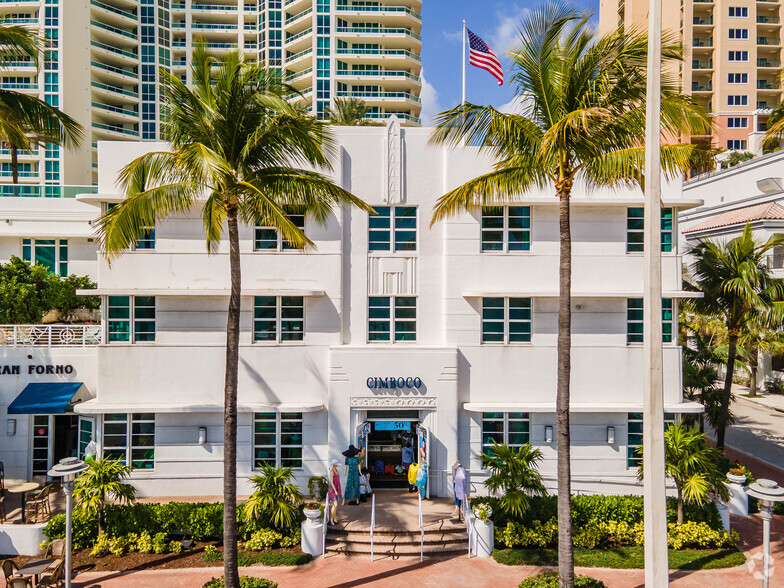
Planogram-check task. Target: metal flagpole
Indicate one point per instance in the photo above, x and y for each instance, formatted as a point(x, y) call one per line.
point(464, 62)
point(655, 515)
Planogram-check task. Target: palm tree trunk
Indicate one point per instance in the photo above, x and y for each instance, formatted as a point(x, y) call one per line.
point(14, 165)
point(230, 566)
point(680, 504)
point(753, 368)
point(721, 426)
point(565, 546)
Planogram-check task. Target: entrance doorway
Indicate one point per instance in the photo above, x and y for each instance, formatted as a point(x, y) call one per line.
point(66, 434)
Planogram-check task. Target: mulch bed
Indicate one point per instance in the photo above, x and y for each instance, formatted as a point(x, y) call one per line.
point(135, 561)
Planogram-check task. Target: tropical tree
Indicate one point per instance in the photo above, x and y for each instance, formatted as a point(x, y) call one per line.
point(349, 112)
point(738, 286)
point(101, 482)
point(236, 147)
point(693, 465)
point(582, 118)
point(276, 498)
point(515, 473)
point(27, 121)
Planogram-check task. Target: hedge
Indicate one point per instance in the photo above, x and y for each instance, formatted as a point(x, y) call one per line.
point(551, 580)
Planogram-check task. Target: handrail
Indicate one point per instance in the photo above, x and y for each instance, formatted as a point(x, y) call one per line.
point(62, 335)
point(372, 522)
point(469, 526)
point(326, 518)
point(421, 529)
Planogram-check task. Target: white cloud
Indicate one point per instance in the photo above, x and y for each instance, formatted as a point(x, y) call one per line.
point(507, 31)
point(515, 106)
point(430, 104)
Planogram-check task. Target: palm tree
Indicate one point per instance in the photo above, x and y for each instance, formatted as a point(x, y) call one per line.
point(349, 112)
point(26, 121)
point(236, 146)
point(738, 286)
point(101, 482)
point(693, 466)
point(583, 117)
point(276, 498)
point(514, 472)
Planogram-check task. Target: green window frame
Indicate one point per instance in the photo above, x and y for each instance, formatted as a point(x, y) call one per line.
point(393, 227)
point(146, 242)
point(506, 228)
point(50, 253)
point(277, 439)
point(130, 438)
point(634, 436)
point(512, 428)
point(40, 454)
point(267, 238)
point(388, 315)
point(635, 236)
point(278, 319)
point(128, 315)
point(634, 320)
point(506, 320)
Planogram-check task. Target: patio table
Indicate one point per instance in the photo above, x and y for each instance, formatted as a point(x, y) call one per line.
point(36, 567)
point(23, 489)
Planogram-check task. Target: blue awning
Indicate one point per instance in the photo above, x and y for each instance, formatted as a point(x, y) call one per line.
point(45, 398)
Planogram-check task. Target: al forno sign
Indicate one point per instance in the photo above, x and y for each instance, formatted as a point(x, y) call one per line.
point(393, 383)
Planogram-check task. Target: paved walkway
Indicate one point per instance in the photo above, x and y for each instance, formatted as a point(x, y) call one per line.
point(341, 571)
point(398, 510)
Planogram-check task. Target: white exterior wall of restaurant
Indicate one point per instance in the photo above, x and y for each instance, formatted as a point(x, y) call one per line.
point(182, 372)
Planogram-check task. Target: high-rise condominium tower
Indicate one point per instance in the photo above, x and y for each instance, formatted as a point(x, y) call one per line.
point(732, 58)
point(104, 56)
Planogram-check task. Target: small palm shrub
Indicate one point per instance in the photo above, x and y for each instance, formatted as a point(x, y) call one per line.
point(275, 502)
point(514, 473)
point(103, 481)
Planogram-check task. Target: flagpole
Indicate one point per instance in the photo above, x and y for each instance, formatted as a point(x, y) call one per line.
point(464, 62)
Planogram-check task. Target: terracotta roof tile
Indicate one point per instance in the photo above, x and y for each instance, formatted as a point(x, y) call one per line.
point(740, 216)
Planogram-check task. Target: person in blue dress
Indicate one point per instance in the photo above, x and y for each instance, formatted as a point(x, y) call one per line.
point(353, 465)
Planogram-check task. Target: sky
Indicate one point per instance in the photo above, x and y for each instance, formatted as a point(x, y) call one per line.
point(495, 21)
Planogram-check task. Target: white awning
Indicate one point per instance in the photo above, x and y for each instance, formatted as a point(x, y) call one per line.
point(680, 407)
point(554, 294)
point(197, 292)
point(97, 407)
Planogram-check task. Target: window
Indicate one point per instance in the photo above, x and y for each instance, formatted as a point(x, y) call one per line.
point(392, 314)
point(737, 122)
point(506, 228)
point(739, 34)
point(634, 436)
point(50, 253)
point(393, 224)
point(512, 428)
point(146, 241)
point(268, 238)
point(277, 439)
point(278, 318)
point(134, 445)
point(634, 330)
point(738, 78)
point(131, 314)
point(739, 11)
point(506, 320)
point(635, 233)
point(737, 100)
point(738, 56)
point(40, 444)
point(736, 144)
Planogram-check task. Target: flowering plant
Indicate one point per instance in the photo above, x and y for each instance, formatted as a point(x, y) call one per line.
point(741, 470)
point(483, 512)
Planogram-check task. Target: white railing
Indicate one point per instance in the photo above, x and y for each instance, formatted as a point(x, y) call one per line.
point(468, 518)
point(326, 518)
point(421, 529)
point(372, 522)
point(49, 335)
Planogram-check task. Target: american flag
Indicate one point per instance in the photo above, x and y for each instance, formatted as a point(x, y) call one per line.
point(481, 56)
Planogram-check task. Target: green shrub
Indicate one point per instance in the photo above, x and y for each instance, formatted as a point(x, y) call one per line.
point(699, 535)
point(175, 546)
point(276, 558)
point(159, 543)
point(211, 554)
point(550, 580)
point(206, 522)
point(245, 582)
point(536, 535)
point(84, 528)
point(144, 543)
point(118, 545)
point(263, 540)
point(292, 540)
point(102, 545)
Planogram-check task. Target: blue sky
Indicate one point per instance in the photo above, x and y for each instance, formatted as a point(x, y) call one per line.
point(493, 20)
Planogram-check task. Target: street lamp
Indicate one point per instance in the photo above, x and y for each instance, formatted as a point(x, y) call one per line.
point(68, 470)
point(768, 493)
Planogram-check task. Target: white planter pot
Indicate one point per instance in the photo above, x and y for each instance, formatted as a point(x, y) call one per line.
point(724, 513)
point(736, 479)
point(738, 503)
point(312, 537)
point(312, 515)
point(483, 539)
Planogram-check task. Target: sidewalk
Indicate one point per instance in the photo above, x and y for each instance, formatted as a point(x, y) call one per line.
point(774, 401)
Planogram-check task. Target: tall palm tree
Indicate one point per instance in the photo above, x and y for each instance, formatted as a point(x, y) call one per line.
point(583, 117)
point(737, 285)
point(27, 121)
point(349, 112)
point(236, 147)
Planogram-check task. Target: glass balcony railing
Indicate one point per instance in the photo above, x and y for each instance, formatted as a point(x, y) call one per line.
point(401, 52)
point(293, 17)
point(116, 109)
point(762, 19)
point(697, 87)
point(378, 73)
point(400, 115)
point(702, 42)
point(114, 89)
point(703, 20)
point(291, 76)
point(768, 41)
point(111, 49)
point(290, 38)
point(379, 31)
point(379, 8)
point(116, 70)
point(697, 64)
point(763, 62)
point(17, 86)
point(294, 56)
point(112, 9)
point(403, 95)
point(114, 30)
point(115, 129)
point(18, 190)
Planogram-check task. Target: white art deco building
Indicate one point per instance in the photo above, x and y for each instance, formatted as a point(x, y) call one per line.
point(391, 330)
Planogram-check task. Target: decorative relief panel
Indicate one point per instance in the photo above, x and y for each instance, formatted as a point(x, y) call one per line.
point(393, 191)
point(392, 276)
point(405, 402)
point(338, 374)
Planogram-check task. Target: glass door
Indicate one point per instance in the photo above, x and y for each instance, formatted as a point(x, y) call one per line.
point(86, 433)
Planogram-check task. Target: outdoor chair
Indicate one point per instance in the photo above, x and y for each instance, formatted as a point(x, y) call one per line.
point(2, 508)
point(10, 571)
point(39, 506)
point(53, 576)
point(2, 479)
point(20, 582)
point(55, 549)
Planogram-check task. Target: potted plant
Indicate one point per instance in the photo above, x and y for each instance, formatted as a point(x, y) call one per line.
point(483, 535)
point(738, 475)
point(317, 486)
point(312, 511)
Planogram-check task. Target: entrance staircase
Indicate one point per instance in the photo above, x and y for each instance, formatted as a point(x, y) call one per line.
point(397, 532)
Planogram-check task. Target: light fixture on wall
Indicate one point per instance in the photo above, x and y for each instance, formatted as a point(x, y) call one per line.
point(202, 435)
point(611, 435)
point(548, 434)
point(11, 427)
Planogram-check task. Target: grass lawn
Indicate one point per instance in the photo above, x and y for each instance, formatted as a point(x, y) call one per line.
point(623, 558)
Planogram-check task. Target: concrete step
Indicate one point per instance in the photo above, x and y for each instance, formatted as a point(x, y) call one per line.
point(398, 538)
point(397, 550)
